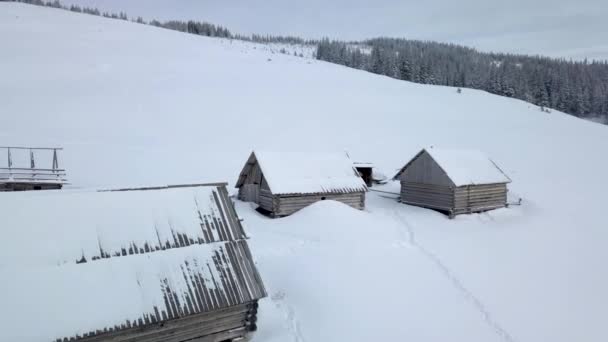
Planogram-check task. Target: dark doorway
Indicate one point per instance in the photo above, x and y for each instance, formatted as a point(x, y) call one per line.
point(366, 174)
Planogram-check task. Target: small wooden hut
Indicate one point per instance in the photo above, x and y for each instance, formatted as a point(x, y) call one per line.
point(283, 183)
point(453, 181)
point(167, 264)
point(30, 168)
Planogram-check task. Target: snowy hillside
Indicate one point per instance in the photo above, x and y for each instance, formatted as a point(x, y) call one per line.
point(134, 104)
point(558, 29)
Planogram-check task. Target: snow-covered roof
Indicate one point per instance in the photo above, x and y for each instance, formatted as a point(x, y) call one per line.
point(363, 164)
point(464, 167)
point(108, 259)
point(305, 172)
point(360, 159)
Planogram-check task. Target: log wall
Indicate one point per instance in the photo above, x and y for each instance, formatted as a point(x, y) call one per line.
point(477, 198)
point(266, 200)
point(221, 325)
point(455, 200)
point(286, 205)
point(438, 197)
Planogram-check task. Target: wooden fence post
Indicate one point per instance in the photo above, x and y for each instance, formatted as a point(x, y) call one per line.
point(55, 162)
point(32, 162)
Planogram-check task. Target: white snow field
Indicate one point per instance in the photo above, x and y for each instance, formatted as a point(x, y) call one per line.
point(137, 105)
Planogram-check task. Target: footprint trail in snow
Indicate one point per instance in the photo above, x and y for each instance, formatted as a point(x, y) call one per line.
point(451, 276)
point(293, 324)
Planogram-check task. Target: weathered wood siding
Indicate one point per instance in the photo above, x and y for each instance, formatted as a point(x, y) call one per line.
point(433, 196)
point(425, 170)
point(476, 198)
point(249, 193)
point(254, 176)
point(455, 200)
point(250, 190)
point(221, 325)
point(199, 311)
point(284, 205)
point(29, 186)
point(266, 200)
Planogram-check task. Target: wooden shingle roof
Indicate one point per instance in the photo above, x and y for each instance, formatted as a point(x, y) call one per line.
point(84, 262)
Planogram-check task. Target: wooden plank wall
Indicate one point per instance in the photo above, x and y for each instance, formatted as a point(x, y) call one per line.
point(266, 200)
point(249, 193)
point(254, 176)
point(425, 170)
point(221, 325)
point(255, 188)
point(476, 198)
point(287, 205)
point(459, 200)
point(438, 197)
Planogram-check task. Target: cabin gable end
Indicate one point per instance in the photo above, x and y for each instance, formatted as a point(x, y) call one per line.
point(424, 169)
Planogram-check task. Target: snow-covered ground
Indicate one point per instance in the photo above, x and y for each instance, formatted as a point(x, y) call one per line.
point(134, 104)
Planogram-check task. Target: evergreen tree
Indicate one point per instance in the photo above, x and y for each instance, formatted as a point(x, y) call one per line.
point(405, 68)
point(377, 61)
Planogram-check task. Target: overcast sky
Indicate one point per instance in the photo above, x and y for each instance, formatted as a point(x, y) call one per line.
point(557, 28)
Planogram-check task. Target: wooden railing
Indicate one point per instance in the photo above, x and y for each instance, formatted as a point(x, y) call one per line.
point(31, 172)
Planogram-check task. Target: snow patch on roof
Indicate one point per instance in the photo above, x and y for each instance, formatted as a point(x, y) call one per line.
point(79, 298)
point(108, 257)
point(465, 167)
point(305, 172)
point(363, 164)
point(51, 228)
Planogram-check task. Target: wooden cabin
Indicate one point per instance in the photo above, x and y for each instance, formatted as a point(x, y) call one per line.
point(366, 172)
point(30, 168)
point(453, 181)
point(167, 264)
point(283, 183)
